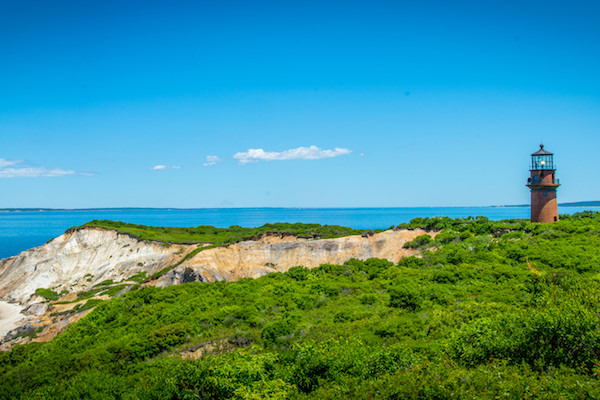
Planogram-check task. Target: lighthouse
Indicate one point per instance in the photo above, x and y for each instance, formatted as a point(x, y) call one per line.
point(543, 183)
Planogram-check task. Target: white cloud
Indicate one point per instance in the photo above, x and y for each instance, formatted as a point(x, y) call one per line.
point(6, 163)
point(17, 170)
point(33, 172)
point(166, 167)
point(304, 153)
point(211, 160)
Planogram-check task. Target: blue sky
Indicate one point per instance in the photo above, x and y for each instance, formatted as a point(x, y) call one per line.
point(295, 104)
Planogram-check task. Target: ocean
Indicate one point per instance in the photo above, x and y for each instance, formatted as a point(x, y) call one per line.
point(22, 230)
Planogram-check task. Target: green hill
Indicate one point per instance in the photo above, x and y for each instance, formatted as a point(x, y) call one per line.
point(504, 309)
point(219, 236)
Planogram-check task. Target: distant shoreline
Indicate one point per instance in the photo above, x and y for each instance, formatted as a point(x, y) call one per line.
point(9, 210)
point(572, 204)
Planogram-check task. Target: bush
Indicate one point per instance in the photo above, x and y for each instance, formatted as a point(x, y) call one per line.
point(565, 334)
point(158, 340)
point(105, 283)
point(406, 297)
point(87, 305)
point(273, 331)
point(298, 273)
point(447, 236)
point(368, 299)
point(412, 262)
point(47, 294)
point(345, 315)
point(420, 242)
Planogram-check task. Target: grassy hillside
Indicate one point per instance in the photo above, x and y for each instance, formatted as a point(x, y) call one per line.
point(219, 236)
point(504, 309)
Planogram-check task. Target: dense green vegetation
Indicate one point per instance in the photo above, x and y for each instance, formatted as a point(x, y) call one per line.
point(220, 236)
point(504, 309)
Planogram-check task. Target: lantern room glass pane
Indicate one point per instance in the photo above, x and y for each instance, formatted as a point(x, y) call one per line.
point(542, 162)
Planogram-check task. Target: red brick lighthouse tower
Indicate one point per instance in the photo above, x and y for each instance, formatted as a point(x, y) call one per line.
point(543, 184)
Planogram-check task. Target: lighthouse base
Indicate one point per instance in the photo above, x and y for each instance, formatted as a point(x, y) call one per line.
point(544, 206)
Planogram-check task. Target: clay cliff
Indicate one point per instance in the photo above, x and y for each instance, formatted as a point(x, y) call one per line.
point(255, 258)
point(87, 258)
point(78, 260)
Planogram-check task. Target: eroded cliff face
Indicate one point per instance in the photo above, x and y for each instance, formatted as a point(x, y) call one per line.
point(81, 259)
point(256, 258)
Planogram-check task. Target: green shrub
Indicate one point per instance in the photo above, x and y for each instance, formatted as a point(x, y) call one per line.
point(311, 365)
point(464, 235)
point(158, 340)
point(413, 262)
point(368, 299)
point(552, 335)
point(304, 302)
point(447, 236)
point(372, 267)
point(345, 316)
point(87, 305)
point(419, 242)
point(298, 273)
point(47, 294)
point(89, 293)
point(406, 297)
point(114, 290)
point(105, 283)
point(386, 329)
point(139, 277)
point(274, 331)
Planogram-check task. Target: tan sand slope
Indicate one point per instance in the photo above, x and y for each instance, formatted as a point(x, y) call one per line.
point(10, 316)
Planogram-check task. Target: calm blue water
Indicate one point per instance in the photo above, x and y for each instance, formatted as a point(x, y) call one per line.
point(23, 230)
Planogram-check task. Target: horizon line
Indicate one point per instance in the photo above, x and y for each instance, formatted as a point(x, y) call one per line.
point(34, 209)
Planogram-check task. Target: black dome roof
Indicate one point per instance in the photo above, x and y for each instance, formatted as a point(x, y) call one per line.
point(542, 152)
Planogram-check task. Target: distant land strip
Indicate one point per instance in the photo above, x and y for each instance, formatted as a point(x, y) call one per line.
point(573, 204)
point(595, 203)
point(581, 204)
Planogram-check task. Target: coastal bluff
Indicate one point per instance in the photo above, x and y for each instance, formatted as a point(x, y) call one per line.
point(81, 259)
point(88, 262)
point(274, 253)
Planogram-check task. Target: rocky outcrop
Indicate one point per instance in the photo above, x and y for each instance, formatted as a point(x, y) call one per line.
point(80, 259)
point(255, 258)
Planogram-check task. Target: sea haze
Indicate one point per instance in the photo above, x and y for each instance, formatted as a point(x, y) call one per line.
point(24, 229)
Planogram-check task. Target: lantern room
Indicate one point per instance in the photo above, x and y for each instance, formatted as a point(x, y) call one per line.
point(542, 160)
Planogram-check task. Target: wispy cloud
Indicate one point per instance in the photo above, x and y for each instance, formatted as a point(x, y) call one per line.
point(304, 153)
point(6, 163)
point(18, 169)
point(211, 160)
point(166, 167)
